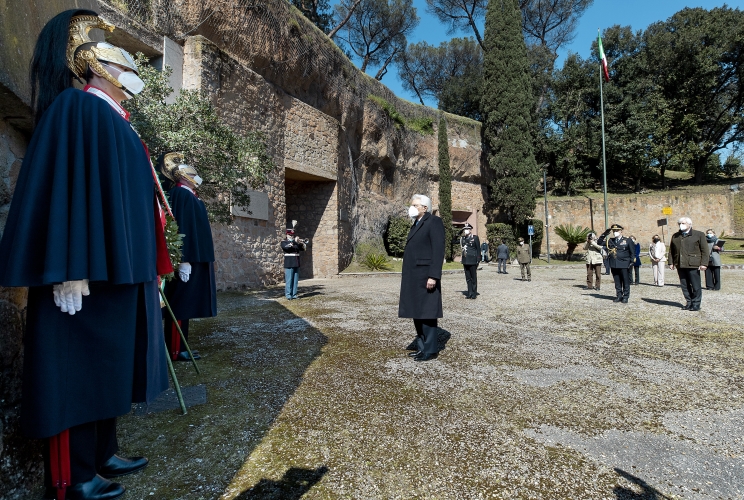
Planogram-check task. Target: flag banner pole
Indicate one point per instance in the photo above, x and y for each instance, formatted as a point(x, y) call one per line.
point(176, 385)
point(183, 338)
point(603, 69)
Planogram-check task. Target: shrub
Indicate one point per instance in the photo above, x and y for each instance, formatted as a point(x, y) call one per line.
point(396, 234)
point(573, 235)
point(367, 247)
point(376, 262)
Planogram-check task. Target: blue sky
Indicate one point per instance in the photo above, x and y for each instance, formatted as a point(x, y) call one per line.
point(602, 14)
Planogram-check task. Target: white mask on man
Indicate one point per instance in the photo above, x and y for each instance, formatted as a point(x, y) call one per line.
point(616, 234)
point(412, 211)
point(466, 232)
point(521, 243)
point(683, 227)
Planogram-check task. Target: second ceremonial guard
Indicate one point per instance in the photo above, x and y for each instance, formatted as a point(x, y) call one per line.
point(470, 245)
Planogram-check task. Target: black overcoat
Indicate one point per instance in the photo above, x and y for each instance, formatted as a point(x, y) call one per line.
point(84, 208)
point(422, 259)
point(196, 298)
point(624, 252)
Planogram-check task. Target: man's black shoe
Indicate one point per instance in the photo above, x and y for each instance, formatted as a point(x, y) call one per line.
point(426, 356)
point(694, 308)
point(97, 488)
point(414, 353)
point(624, 301)
point(117, 466)
point(686, 307)
point(616, 299)
point(184, 356)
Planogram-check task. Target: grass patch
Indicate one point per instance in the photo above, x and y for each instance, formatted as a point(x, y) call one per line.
point(422, 125)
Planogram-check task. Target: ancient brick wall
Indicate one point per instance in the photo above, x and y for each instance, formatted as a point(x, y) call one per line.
point(638, 214)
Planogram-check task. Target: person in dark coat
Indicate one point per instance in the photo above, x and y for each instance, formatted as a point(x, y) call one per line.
point(420, 284)
point(85, 234)
point(469, 243)
point(292, 246)
point(484, 252)
point(713, 271)
point(192, 293)
point(620, 254)
point(688, 253)
point(502, 255)
point(636, 260)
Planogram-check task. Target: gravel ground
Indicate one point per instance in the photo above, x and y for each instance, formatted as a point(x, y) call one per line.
point(544, 390)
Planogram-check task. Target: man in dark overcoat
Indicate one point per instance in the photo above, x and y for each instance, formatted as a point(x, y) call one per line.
point(502, 255)
point(689, 254)
point(192, 293)
point(621, 253)
point(469, 243)
point(420, 285)
point(85, 234)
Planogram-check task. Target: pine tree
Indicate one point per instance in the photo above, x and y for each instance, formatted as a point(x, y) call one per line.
point(507, 104)
point(445, 188)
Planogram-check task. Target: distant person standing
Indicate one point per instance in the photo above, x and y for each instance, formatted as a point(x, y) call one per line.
point(470, 245)
point(636, 259)
point(502, 254)
point(621, 252)
point(602, 242)
point(688, 253)
point(292, 246)
point(713, 272)
point(593, 262)
point(657, 253)
point(484, 251)
point(524, 258)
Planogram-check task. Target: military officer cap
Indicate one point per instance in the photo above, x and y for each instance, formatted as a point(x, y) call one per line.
point(467, 226)
point(616, 227)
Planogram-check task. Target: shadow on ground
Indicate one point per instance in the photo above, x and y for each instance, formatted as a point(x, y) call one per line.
point(662, 302)
point(647, 492)
point(254, 356)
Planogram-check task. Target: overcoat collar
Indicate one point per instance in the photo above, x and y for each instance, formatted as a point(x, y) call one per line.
point(416, 227)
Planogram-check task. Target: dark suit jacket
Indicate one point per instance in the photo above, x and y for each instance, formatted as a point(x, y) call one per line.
point(422, 259)
point(471, 250)
point(689, 251)
point(625, 252)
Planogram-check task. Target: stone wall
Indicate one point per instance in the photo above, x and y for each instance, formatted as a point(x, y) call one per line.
point(638, 214)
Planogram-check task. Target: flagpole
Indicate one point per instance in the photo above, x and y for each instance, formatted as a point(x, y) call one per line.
point(604, 157)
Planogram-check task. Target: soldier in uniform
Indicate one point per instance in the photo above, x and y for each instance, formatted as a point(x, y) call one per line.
point(470, 245)
point(292, 246)
point(192, 293)
point(620, 254)
point(85, 234)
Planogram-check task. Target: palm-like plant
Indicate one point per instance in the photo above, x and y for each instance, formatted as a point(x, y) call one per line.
point(573, 235)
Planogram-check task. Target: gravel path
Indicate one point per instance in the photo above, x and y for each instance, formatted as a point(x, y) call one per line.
point(544, 390)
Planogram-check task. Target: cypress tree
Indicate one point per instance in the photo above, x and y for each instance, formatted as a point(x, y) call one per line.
point(506, 104)
point(445, 188)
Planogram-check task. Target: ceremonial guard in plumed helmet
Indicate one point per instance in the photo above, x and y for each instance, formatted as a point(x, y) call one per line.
point(192, 293)
point(85, 234)
point(470, 245)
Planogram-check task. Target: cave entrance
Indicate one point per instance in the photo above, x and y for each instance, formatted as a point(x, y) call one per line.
point(312, 201)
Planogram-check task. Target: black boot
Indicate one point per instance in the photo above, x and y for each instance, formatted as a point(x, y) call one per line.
point(97, 488)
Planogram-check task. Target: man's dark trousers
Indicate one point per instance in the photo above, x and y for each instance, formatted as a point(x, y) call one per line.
point(471, 277)
point(427, 335)
point(621, 275)
point(689, 281)
point(502, 265)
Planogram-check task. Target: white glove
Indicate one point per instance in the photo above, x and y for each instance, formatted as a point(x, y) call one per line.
point(184, 271)
point(68, 296)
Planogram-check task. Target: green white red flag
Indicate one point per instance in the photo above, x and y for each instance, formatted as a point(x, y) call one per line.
point(603, 58)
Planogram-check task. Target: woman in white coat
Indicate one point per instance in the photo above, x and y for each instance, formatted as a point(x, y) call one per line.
point(657, 253)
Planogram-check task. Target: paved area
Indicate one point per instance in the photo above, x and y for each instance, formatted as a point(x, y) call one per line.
point(544, 390)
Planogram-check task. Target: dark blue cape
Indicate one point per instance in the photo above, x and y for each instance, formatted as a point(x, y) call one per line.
point(193, 222)
point(81, 210)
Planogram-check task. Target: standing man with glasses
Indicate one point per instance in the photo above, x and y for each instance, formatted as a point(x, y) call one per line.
point(688, 253)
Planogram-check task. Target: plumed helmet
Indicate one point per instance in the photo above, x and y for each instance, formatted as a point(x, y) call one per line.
point(83, 52)
point(174, 167)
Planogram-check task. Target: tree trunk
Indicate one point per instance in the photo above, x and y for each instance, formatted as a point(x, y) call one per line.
point(570, 251)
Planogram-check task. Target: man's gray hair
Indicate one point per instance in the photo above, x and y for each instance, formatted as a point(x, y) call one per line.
point(685, 220)
point(423, 200)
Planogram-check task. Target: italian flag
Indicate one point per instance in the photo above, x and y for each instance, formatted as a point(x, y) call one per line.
point(603, 58)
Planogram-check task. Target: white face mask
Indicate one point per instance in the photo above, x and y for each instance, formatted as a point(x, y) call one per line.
point(132, 83)
point(466, 232)
point(616, 234)
point(197, 180)
point(683, 227)
point(521, 243)
point(412, 211)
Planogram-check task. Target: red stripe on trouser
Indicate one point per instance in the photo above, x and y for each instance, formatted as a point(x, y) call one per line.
point(59, 462)
point(175, 342)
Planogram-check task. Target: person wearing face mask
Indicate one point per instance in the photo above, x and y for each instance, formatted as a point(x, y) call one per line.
point(192, 293)
point(85, 234)
point(420, 284)
point(470, 244)
point(657, 254)
point(713, 271)
point(524, 258)
point(593, 262)
point(636, 260)
point(620, 254)
point(688, 253)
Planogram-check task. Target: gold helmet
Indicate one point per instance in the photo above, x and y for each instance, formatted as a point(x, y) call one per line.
point(174, 167)
point(83, 52)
